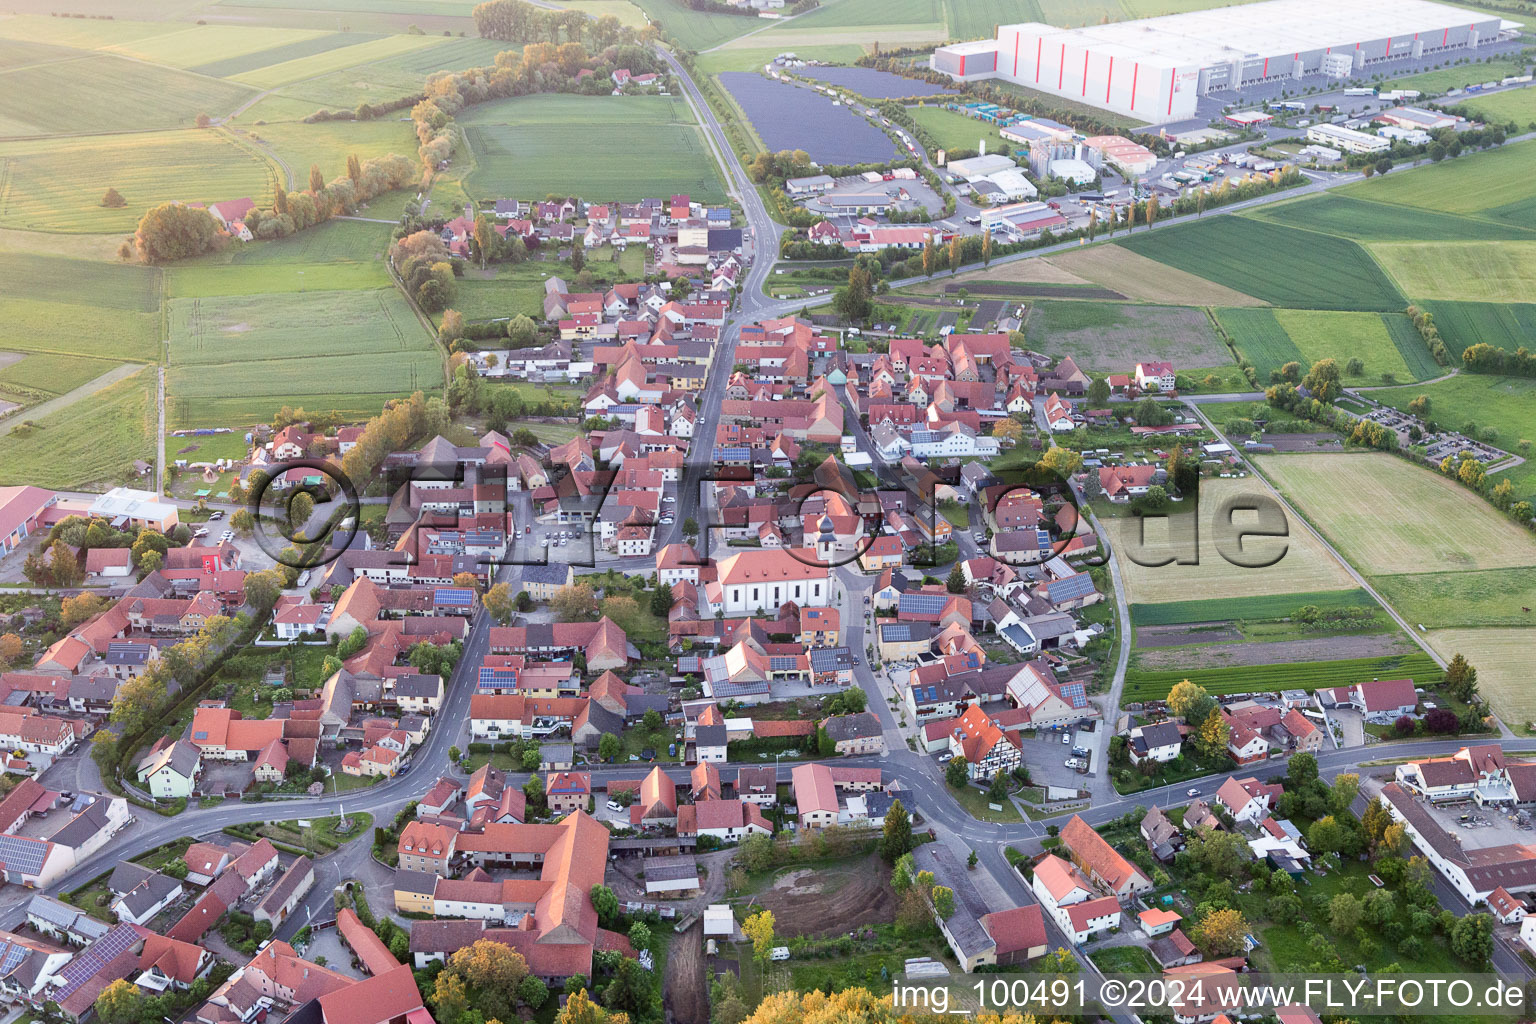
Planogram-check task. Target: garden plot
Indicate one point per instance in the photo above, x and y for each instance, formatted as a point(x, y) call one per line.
point(1116, 336)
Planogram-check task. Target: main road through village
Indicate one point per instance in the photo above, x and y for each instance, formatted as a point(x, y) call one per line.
point(918, 777)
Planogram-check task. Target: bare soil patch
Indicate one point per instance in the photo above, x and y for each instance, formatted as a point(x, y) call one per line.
point(840, 899)
point(1031, 271)
point(1278, 652)
point(686, 985)
point(1305, 442)
point(1144, 278)
point(1024, 290)
point(1151, 637)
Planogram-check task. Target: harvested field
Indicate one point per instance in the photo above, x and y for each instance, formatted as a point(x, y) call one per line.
point(1305, 565)
point(831, 899)
point(1277, 652)
point(1386, 516)
point(1034, 291)
point(1034, 271)
point(790, 117)
point(1114, 336)
point(686, 986)
point(1502, 658)
point(1152, 637)
point(1142, 278)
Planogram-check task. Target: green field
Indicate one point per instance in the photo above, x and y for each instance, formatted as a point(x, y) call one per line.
point(1387, 516)
point(194, 46)
point(1507, 404)
point(87, 443)
point(1267, 606)
point(1496, 184)
point(1280, 265)
point(1502, 325)
point(1458, 76)
point(332, 60)
point(444, 8)
point(1466, 271)
point(1364, 336)
point(234, 359)
point(627, 13)
point(104, 92)
point(956, 131)
point(57, 184)
point(47, 375)
point(77, 307)
point(273, 278)
point(1365, 221)
point(1517, 105)
point(336, 241)
point(83, 34)
point(534, 146)
point(742, 58)
point(697, 30)
point(1141, 684)
point(1491, 598)
point(309, 44)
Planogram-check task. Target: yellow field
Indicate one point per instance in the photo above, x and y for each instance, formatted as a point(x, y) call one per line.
point(1502, 658)
point(626, 12)
point(203, 44)
point(1465, 271)
point(333, 60)
point(1139, 277)
point(1022, 271)
point(1385, 516)
point(1306, 565)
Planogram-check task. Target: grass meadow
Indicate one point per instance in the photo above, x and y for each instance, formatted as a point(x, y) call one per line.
point(1517, 105)
point(1386, 516)
point(1502, 658)
point(956, 131)
point(1491, 597)
point(79, 307)
point(1478, 183)
point(45, 375)
point(1282, 266)
point(1458, 76)
point(696, 30)
point(1463, 271)
point(103, 92)
point(194, 47)
point(57, 184)
point(87, 443)
point(1305, 566)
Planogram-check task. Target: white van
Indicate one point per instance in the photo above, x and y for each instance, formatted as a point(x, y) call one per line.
point(614, 805)
point(780, 953)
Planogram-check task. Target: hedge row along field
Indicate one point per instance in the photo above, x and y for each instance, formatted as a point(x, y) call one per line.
point(1267, 606)
point(1306, 675)
point(1281, 265)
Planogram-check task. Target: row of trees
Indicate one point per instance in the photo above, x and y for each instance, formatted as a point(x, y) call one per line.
point(1424, 323)
point(1486, 358)
point(517, 21)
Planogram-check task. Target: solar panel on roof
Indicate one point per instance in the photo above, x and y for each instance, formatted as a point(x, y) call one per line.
point(497, 678)
point(782, 663)
point(1074, 694)
point(454, 597)
point(22, 855)
point(923, 604)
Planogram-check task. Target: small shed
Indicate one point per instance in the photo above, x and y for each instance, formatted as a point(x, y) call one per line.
point(719, 921)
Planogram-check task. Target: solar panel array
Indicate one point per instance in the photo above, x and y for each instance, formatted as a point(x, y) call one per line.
point(783, 663)
point(11, 955)
point(1074, 694)
point(829, 659)
point(923, 604)
point(1071, 587)
point(454, 597)
point(94, 957)
point(896, 631)
point(492, 678)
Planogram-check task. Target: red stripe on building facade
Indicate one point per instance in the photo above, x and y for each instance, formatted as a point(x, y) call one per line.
point(1265, 72)
point(1445, 38)
point(1085, 72)
point(1135, 74)
point(1061, 68)
point(1039, 55)
point(962, 65)
point(1109, 82)
point(1171, 74)
point(1016, 44)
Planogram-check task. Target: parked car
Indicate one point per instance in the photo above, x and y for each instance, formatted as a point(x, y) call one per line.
point(614, 805)
point(1192, 792)
point(1066, 737)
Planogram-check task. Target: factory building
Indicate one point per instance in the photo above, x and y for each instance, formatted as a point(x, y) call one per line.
point(1157, 69)
point(1347, 139)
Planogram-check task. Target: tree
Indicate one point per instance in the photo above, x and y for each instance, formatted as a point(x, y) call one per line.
point(1212, 736)
point(1302, 771)
point(690, 527)
point(1291, 372)
point(10, 648)
point(1344, 913)
point(1328, 835)
point(580, 1009)
point(896, 838)
point(1059, 961)
point(609, 747)
point(943, 902)
point(1149, 413)
point(956, 582)
point(1345, 787)
point(1472, 939)
point(957, 771)
point(262, 588)
point(172, 231)
point(574, 603)
point(604, 902)
point(532, 992)
point(639, 935)
point(853, 302)
point(113, 200)
point(1218, 853)
point(1183, 698)
point(651, 720)
point(242, 522)
point(1355, 366)
point(120, 1003)
point(354, 642)
point(300, 507)
point(1098, 393)
point(1220, 932)
point(956, 252)
point(498, 603)
point(759, 928)
point(449, 998)
point(1460, 680)
point(1323, 381)
point(661, 601)
point(1061, 461)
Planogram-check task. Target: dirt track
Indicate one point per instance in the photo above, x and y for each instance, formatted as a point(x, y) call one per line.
point(833, 901)
point(686, 985)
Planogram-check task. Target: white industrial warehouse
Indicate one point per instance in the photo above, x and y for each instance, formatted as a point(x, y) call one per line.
point(1157, 69)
